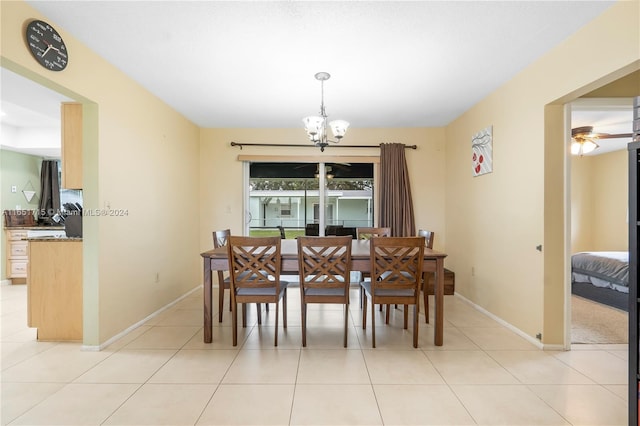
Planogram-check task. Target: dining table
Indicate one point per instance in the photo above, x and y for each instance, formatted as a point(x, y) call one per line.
point(217, 260)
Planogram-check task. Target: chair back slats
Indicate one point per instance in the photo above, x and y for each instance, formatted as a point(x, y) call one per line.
point(368, 233)
point(254, 261)
point(428, 237)
point(220, 238)
point(396, 262)
point(324, 262)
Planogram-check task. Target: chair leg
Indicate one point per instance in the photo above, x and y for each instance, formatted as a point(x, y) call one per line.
point(406, 317)
point(346, 322)
point(284, 307)
point(275, 339)
point(426, 306)
point(244, 315)
point(234, 320)
point(416, 311)
point(364, 312)
point(386, 316)
point(303, 310)
point(221, 300)
point(373, 325)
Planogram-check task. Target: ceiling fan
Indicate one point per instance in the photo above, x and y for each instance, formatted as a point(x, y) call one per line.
point(584, 139)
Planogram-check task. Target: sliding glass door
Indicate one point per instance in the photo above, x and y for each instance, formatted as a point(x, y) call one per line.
point(300, 200)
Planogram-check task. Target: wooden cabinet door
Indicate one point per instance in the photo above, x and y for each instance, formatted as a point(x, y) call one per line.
point(71, 145)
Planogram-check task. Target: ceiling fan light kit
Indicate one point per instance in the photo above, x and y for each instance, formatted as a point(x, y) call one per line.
point(583, 147)
point(316, 126)
point(584, 139)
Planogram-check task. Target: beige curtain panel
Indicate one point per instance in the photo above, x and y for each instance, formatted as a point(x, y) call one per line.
point(396, 205)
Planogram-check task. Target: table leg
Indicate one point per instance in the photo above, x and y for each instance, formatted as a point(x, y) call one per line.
point(208, 311)
point(439, 296)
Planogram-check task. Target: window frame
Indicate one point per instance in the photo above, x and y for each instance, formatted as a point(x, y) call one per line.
point(321, 161)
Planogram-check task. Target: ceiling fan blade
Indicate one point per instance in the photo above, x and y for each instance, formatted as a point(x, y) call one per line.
point(613, 136)
point(584, 130)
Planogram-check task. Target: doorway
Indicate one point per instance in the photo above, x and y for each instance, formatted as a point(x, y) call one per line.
point(599, 219)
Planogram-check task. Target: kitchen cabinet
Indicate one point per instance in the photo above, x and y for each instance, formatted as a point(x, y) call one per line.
point(17, 252)
point(71, 151)
point(17, 255)
point(54, 288)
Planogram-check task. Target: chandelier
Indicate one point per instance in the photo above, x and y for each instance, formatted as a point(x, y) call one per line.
point(316, 126)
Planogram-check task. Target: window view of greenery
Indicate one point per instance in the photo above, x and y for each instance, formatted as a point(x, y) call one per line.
point(284, 197)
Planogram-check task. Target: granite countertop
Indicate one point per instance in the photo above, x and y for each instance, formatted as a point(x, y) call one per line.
point(53, 239)
point(61, 228)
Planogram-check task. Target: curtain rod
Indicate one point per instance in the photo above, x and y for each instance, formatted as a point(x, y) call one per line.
point(241, 144)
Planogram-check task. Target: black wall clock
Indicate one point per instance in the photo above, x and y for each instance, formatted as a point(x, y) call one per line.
point(46, 46)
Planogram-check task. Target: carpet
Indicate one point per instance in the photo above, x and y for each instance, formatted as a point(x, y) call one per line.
point(593, 322)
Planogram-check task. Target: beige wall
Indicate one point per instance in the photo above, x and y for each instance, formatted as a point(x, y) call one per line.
point(139, 156)
point(611, 189)
point(599, 202)
point(222, 195)
point(582, 204)
point(494, 222)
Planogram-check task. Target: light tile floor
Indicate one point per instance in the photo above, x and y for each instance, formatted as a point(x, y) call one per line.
point(163, 374)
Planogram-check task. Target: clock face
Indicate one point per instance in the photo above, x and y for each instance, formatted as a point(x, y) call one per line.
point(47, 46)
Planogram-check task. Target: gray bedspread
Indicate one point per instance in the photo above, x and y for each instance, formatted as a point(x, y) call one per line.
point(612, 266)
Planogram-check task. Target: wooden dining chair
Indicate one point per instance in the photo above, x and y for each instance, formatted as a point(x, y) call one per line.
point(255, 263)
point(220, 239)
point(428, 239)
point(366, 234)
point(396, 274)
point(325, 270)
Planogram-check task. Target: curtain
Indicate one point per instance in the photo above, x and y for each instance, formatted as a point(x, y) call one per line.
point(396, 205)
point(49, 190)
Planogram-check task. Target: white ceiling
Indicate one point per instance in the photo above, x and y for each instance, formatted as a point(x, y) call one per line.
point(251, 64)
point(28, 104)
point(606, 115)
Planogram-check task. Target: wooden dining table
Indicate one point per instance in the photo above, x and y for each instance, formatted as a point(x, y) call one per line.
point(217, 260)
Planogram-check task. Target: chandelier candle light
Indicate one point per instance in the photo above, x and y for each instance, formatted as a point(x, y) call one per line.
point(316, 126)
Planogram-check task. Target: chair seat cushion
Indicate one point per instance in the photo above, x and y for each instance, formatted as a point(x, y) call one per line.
point(324, 292)
point(387, 292)
point(261, 291)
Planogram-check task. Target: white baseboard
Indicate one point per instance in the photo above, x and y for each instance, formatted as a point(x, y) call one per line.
point(94, 348)
point(511, 327)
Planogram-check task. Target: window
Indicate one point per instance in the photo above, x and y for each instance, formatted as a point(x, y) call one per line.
point(285, 210)
point(289, 195)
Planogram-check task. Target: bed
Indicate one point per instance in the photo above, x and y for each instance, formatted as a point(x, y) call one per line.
point(602, 276)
